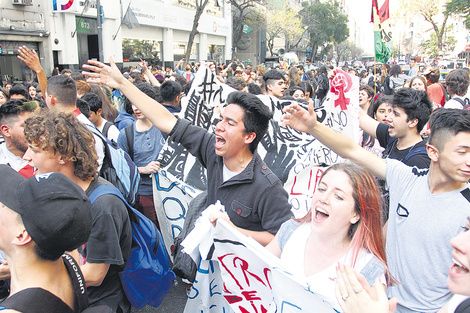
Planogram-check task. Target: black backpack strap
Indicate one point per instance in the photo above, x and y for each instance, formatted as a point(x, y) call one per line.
point(78, 281)
point(129, 130)
point(106, 127)
point(459, 100)
point(413, 152)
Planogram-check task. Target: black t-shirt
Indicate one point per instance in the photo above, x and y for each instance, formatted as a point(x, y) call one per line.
point(392, 152)
point(35, 300)
point(109, 243)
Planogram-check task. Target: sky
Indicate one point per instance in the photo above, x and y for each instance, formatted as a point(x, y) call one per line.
point(359, 11)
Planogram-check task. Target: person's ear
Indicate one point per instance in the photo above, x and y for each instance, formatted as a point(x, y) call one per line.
point(433, 152)
point(413, 123)
point(99, 111)
point(5, 130)
point(53, 100)
point(250, 137)
point(22, 238)
point(355, 218)
point(62, 160)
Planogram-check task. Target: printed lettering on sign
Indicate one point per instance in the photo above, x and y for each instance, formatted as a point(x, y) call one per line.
point(242, 276)
point(295, 157)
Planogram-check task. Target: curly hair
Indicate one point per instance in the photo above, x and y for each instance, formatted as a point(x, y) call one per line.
point(64, 134)
point(457, 82)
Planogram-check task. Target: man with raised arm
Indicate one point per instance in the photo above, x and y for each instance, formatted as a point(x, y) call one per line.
point(427, 206)
point(401, 135)
point(254, 198)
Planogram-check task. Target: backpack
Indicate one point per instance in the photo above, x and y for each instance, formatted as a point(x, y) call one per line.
point(385, 89)
point(118, 168)
point(411, 153)
point(147, 277)
point(446, 94)
point(183, 264)
point(106, 127)
point(129, 130)
point(464, 102)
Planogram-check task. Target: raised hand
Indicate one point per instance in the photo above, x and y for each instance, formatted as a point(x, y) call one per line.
point(356, 296)
point(104, 74)
point(30, 58)
point(298, 118)
point(143, 65)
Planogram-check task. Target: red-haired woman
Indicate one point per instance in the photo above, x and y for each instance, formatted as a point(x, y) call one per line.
point(343, 225)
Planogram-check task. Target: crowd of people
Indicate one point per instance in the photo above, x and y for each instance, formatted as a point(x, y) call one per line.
point(383, 228)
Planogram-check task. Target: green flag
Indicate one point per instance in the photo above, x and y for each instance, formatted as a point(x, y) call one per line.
point(247, 29)
point(382, 36)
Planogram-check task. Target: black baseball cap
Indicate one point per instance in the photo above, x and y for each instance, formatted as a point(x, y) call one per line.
point(55, 211)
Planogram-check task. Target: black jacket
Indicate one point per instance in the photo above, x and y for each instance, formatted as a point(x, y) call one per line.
point(254, 199)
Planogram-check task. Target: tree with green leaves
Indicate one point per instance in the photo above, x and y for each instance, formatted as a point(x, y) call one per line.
point(460, 7)
point(430, 45)
point(326, 25)
point(282, 23)
point(433, 12)
point(346, 49)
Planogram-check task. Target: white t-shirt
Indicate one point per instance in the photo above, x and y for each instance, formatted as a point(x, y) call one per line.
point(322, 283)
point(113, 131)
point(6, 157)
point(227, 174)
point(454, 302)
point(453, 104)
point(99, 146)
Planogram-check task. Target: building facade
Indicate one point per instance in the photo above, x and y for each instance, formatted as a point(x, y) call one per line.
point(66, 33)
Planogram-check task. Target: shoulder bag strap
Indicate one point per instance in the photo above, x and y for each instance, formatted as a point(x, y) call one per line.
point(129, 130)
point(78, 281)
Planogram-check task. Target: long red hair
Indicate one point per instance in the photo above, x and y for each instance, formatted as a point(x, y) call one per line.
point(367, 232)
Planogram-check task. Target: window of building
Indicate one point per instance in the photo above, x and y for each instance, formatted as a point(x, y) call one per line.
point(215, 53)
point(179, 51)
point(213, 7)
point(135, 49)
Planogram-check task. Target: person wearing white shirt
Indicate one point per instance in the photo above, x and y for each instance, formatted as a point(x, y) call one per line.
point(457, 82)
point(105, 127)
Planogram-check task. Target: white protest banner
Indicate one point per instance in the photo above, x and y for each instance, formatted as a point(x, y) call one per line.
point(242, 276)
point(171, 199)
point(297, 158)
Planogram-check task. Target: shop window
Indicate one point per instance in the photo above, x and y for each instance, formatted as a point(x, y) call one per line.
point(214, 7)
point(215, 53)
point(179, 51)
point(134, 49)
